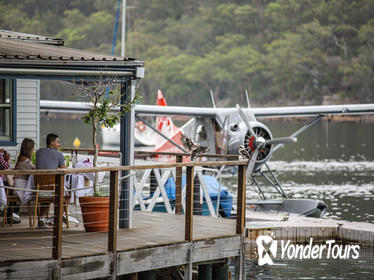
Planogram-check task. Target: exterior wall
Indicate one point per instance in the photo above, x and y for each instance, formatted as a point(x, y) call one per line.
point(28, 122)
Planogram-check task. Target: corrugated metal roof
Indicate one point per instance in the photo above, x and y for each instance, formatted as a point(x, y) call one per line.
point(31, 38)
point(11, 50)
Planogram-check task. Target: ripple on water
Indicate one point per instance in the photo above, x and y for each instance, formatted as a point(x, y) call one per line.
point(325, 165)
point(347, 187)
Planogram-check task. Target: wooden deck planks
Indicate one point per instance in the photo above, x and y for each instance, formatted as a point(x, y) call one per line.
point(150, 229)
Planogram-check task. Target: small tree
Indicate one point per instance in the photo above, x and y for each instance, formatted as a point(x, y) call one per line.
point(102, 101)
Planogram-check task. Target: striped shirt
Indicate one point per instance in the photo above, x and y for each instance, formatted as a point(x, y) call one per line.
point(3, 164)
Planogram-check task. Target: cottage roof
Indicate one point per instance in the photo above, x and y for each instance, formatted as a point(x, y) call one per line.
point(18, 49)
point(30, 37)
point(21, 51)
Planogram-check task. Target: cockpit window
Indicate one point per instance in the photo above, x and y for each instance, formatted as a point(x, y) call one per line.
point(234, 127)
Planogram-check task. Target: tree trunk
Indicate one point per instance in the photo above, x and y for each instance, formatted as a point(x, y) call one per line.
point(94, 125)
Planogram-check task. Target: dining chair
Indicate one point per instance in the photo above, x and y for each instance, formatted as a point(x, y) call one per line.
point(11, 196)
point(47, 183)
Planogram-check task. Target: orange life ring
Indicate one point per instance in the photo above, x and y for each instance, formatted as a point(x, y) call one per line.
point(140, 126)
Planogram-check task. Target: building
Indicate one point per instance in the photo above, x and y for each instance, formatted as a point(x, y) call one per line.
point(25, 59)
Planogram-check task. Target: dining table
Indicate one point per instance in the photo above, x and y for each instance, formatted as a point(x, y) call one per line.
point(78, 184)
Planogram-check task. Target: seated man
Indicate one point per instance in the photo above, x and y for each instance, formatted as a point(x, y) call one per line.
point(49, 158)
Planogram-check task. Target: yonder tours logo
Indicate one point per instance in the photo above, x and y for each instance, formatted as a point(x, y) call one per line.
point(268, 247)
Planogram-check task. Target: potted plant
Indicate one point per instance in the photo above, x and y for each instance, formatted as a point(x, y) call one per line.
point(102, 100)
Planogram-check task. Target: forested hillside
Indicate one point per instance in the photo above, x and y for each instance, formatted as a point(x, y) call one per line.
point(282, 51)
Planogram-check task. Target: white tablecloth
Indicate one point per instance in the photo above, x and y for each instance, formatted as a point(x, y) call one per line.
point(3, 199)
point(72, 182)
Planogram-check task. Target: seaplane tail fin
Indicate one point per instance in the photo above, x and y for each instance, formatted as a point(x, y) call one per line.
point(161, 101)
point(166, 146)
point(164, 124)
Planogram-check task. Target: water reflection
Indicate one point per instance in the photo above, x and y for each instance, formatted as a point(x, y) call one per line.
point(361, 268)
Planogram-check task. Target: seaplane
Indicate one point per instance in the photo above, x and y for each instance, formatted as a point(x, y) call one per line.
point(237, 131)
point(143, 134)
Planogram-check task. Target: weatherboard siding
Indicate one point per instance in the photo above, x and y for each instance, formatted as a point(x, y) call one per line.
point(28, 92)
point(28, 125)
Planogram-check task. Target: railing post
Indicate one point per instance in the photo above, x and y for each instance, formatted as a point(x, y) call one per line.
point(113, 221)
point(240, 219)
point(178, 186)
point(189, 204)
point(58, 210)
point(113, 209)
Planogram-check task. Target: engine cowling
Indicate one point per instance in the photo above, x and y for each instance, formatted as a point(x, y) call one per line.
point(240, 135)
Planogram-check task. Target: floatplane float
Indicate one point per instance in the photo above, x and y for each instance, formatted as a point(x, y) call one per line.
point(233, 131)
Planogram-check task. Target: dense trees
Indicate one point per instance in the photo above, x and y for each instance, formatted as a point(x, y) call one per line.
point(298, 51)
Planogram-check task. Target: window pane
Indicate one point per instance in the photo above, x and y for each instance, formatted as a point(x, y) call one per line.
point(2, 91)
point(6, 89)
point(5, 123)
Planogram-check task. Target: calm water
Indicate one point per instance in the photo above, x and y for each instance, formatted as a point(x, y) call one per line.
point(333, 162)
point(362, 268)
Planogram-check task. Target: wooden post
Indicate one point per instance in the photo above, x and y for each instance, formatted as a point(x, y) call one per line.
point(58, 210)
point(189, 204)
point(188, 266)
point(178, 186)
point(113, 221)
point(113, 208)
point(240, 219)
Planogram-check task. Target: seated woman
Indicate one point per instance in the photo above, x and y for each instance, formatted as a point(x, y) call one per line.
point(24, 163)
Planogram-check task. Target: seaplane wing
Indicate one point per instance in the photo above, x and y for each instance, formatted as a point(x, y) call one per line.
point(265, 112)
point(151, 110)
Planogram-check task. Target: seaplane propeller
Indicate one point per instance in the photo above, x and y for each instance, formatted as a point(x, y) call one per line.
point(258, 142)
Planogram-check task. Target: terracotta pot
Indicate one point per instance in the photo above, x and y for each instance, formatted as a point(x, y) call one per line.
point(95, 213)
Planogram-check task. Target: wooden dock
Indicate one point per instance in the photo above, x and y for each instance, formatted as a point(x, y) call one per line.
point(156, 241)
